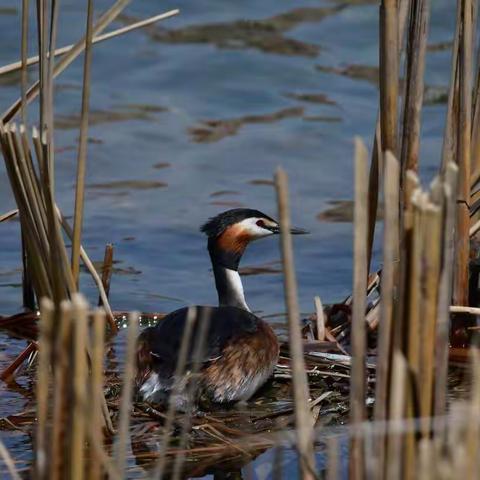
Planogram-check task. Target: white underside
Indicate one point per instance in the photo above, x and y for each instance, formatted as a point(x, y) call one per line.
point(154, 390)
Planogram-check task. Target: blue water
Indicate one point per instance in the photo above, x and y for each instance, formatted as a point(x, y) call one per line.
point(155, 231)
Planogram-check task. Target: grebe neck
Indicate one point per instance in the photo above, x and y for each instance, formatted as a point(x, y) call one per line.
point(227, 279)
point(229, 287)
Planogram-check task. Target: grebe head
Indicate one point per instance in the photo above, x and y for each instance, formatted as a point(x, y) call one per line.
point(234, 229)
point(228, 234)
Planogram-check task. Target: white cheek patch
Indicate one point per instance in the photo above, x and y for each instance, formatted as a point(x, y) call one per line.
point(255, 231)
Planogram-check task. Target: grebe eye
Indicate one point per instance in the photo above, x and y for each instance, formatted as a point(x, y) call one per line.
point(261, 223)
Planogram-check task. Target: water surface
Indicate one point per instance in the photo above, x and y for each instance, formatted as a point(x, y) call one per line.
point(192, 117)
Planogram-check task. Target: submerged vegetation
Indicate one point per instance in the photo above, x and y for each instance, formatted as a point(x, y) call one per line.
point(374, 368)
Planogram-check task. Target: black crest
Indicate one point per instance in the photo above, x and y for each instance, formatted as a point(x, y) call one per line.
point(216, 225)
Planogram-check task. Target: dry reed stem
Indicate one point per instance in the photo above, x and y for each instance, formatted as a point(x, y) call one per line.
point(32, 199)
point(425, 460)
point(445, 290)
point(192, 389)
point(462, 309)
point(413, 101)
point(373, 183)
point(7, 216)
point(61, 394)
point(303, 418)
point(79, 383)
point(43, 383)
point(9, 462)
point(389, 60)
point(107, 270)
point(91, 268)
point(82, 149)
point(40, 275)
point(37, 145)
point(178, 376)
point(397, 409)
point(7, 374)
point(360, 274)
point(473, 425)
point(127, 391)
point(414, 283)
point(54, 11)
point(431, 272)
point(42, 28)
point(449, 147)
point(463, 156)
point(24, 60)
point(108, 17)
point(96, 394)
point(13, 67)
point(320, 318)
point(474, 229)
point(390, 257)
point(475, 167)
point(373, 187)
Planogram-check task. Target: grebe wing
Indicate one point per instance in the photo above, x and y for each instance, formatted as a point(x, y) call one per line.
point(224, 324)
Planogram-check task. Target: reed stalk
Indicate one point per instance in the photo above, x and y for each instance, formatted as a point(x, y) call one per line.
point(107, 271)
point(431, 266)
point(397, 409)
point(50, 58)
point(9, 462)
point(103, 22)
point(7, 216)
point(413, 99)
point(390, 257)
point(360, 274)
point(303, 419)
point(91, 268)
point(24, 60)
point(13, 67)
point(127, 391)
point(378, 146)
point(82, 149)
point(43, 383)
point(389, 60)
point(412, 311)
point(79, 383)
point(179, 372)
point(449, 147)
point(191, 393)
point(28, 291)
point(320, 319)
point(445, 291)
point(96, 394)
point(61, 394)
point(464, 126)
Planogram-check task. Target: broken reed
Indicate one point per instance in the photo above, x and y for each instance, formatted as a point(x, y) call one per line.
point(71, 421)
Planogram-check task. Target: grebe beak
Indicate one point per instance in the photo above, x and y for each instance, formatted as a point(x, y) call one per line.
point(293, 231)
point(298, 231)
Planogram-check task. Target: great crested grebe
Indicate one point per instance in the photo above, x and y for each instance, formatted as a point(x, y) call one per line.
point(241, 349)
